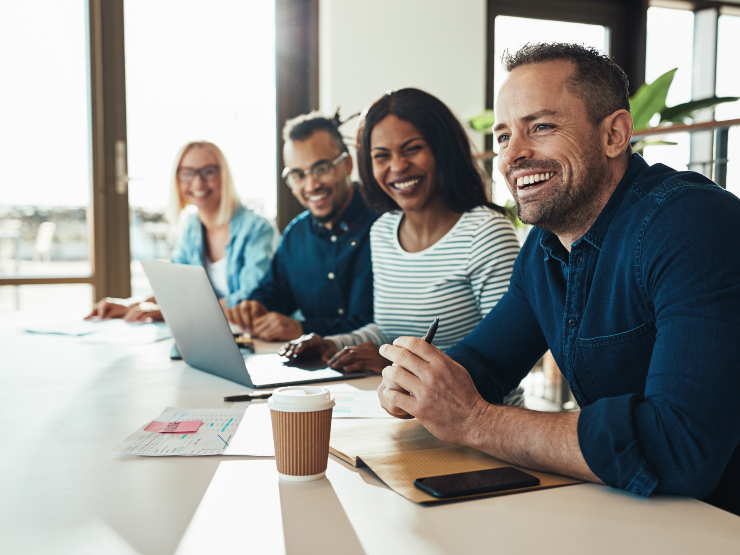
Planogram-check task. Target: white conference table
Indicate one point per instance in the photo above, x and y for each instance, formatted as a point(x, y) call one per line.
point(65, 404)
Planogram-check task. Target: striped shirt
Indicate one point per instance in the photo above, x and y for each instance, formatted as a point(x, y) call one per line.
point(458, 279)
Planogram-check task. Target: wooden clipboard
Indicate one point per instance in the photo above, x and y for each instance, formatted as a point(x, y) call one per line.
point(400, 451)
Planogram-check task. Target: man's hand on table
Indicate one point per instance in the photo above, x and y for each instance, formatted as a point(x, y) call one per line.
point(274, 326)
point(309, 346)
point(244, 314)
point(254, 317)
point(430, 386)
point(364, 356)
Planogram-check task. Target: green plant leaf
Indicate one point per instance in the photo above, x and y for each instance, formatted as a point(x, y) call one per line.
point(513, 216)
point(483, 122)
point(650, 100)
point(681, 112)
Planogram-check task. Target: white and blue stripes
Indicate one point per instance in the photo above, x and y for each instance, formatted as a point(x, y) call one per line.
point(458, 279)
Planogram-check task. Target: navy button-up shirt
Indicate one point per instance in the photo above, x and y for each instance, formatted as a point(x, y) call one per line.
point(643, 318)
point(326, 274)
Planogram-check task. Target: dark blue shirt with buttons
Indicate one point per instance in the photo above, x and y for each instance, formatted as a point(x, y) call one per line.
point(643, 318)
point(326, 274)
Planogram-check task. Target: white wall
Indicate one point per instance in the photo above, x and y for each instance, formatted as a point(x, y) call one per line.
point(367, 47)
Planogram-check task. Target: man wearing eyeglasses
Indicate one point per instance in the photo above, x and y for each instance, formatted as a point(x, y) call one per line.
point(322, 268)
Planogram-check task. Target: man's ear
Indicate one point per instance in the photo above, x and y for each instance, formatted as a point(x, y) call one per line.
point(616, 130)
point(350, 164)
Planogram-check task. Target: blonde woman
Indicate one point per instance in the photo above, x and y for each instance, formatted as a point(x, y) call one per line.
point(234, 244)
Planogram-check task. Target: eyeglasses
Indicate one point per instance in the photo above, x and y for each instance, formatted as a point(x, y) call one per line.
point(207, 173)
point(321, 172)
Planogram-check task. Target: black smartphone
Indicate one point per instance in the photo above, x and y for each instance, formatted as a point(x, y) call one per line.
point(479, 481)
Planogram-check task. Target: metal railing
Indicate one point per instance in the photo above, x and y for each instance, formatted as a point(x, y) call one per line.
point(716, 168)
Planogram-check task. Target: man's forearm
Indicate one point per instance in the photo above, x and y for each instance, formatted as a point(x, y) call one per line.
point(546, 441)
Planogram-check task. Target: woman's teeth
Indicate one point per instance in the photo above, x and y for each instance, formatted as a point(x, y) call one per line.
point(406, 184)
point(199, 194)
point(529, 180)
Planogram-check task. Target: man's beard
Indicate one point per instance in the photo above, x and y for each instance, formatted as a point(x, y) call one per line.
point(329, 217)
point(337, 205)
point(567, 208)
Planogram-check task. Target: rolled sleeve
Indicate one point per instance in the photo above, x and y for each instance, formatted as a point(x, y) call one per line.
point(610, 447)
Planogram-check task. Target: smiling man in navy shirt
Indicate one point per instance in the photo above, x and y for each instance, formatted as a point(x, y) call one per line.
point(631, 278)
point(322, 267)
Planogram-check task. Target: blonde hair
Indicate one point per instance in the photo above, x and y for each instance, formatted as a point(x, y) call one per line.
point(229, 196)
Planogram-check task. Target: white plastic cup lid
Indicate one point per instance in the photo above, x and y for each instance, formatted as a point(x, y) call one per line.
point(300, 398)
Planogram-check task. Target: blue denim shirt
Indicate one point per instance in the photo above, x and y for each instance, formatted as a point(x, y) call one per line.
point(326, 274)
point(643, 319)
point(252, 242)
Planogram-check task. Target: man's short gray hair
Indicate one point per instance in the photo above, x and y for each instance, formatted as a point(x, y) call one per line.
point(597, 80)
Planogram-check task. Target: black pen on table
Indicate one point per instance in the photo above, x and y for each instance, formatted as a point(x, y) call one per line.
point(247, 397)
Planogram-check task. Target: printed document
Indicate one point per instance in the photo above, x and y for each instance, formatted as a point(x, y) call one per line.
point(222, 432)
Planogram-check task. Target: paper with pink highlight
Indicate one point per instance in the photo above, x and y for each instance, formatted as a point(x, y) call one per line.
point(183, 427)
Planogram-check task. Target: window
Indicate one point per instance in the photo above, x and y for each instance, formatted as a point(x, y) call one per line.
point(213, 79)
point(728, 84)
point(44, 140)
point(670, 39)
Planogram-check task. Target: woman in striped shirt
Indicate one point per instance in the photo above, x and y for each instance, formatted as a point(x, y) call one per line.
point(440, 250)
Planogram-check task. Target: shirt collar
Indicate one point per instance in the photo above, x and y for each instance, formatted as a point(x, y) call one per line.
point(549, 241)
point(598, 230)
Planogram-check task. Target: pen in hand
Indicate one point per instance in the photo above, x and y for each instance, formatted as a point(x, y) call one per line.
point(431, 331)
point(428, 337)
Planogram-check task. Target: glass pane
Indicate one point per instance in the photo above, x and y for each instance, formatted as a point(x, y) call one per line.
point(670, 38)
point(44, 139)
point(69, 299)
point(197, 71)
point(728, 84)
point(513, 33)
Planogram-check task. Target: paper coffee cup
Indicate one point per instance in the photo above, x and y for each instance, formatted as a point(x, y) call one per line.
point(301, 425)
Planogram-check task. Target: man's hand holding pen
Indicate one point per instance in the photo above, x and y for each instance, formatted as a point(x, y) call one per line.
point(438, 391)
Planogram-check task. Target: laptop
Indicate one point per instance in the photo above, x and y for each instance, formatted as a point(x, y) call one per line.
point(204, 339)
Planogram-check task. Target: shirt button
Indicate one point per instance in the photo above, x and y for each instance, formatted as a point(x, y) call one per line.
point(333, 238)
point(572, 322)
point(580, 259)
point(331, 275)
point(340, 311)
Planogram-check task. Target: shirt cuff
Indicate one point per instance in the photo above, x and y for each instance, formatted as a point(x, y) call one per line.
point(606, 435)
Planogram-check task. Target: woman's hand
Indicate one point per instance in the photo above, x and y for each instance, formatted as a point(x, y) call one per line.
point(364, 356)
point(309, 346)
point(144, 313)
point(110, 308)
